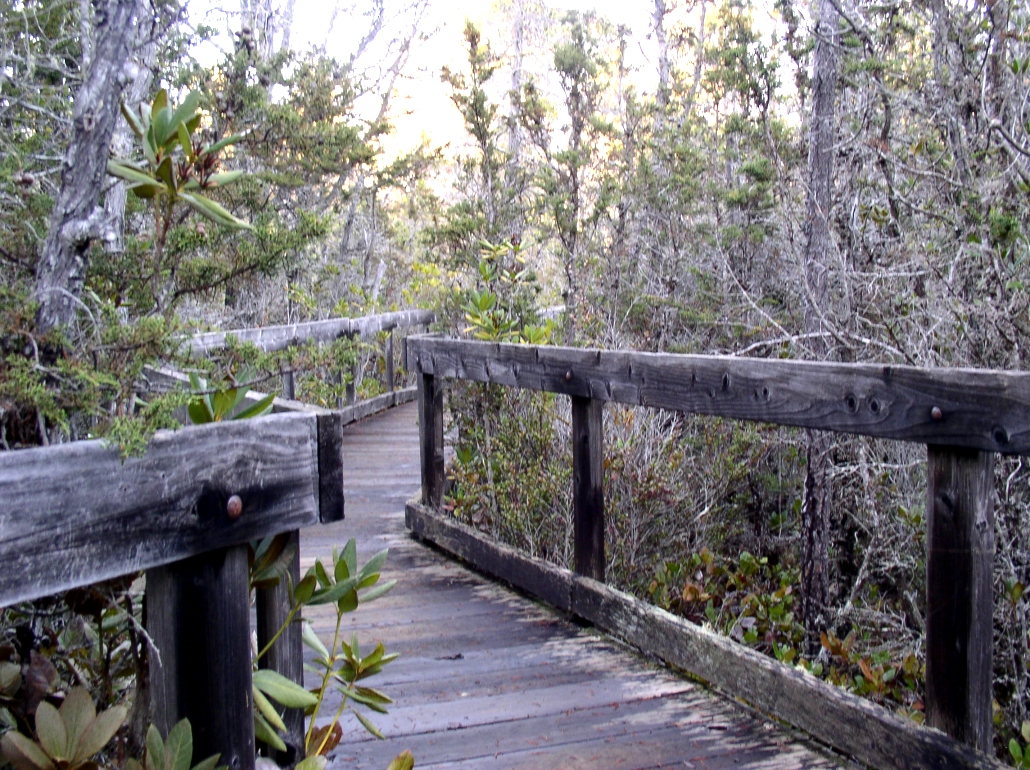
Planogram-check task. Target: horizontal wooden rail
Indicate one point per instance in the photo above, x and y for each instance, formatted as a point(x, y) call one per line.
point(978, 409)
point(270, 338)
point(76, 514)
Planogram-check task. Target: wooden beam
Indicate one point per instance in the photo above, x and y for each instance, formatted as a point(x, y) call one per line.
point(978, 409)
point(330, 467)
point(286, 655)
point(198, 615)
point(588, 487)
point(388, 356)
point(270, 338)
point(959, 599)
point(851, 724)
point(430, 432)
point(76, 514)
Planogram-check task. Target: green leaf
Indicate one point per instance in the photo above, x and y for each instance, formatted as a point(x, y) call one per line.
point(155, 750)
point(310, 638)
point(77, 712)
point(403, 761)
point(160, 101)
point(99, 732)
point(335, 593)
point(316, 762)
point(186, 142)
point(1025, 731)
point(24, 753)
point(199, 413)
point(348, 602)
point(53, 737)
point(1015, 750)
point(129, 173)
point(213, 211)
point(374, 564)
point(380, 590)
point(257, 409)
point(209, 764)
point(320, 573)
point(267, 710)
point(350, 556)
point(186, 110)
point(282, 690)
point(165, 174)
point(222, 400)
point(368, 725)
point(223, 178)
point(305, 589)
point(221, 144)
point(134, 121)
point(179, 746)
point(264, 733)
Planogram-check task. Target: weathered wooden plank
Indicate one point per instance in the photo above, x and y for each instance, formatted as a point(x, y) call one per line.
point(959, 599)
point(853, 725)
point(198, 616)
point(330, 467)
point(430, 431)
point(75, 514)
point(269, 338)
point(588, 486)
point(979, 409)
point(286, 655)
point(388, 360)
point(539, 577)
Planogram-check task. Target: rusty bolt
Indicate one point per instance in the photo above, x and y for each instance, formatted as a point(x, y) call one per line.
point(568, 376)
point(937, 414)
point(234, 507)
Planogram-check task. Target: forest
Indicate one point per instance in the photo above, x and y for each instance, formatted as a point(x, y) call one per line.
point(837, 180)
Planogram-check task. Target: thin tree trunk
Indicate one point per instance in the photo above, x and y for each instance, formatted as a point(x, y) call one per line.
point(815, 512)
point(76, 218)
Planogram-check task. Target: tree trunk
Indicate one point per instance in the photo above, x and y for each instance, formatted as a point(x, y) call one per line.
point(76, 218)
point(815, 516)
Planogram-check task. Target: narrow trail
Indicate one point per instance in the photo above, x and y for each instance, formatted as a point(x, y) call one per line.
point(490, 679)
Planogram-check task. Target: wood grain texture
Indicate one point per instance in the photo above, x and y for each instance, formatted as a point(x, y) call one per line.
point(588, 486)
point(330, 467)
point(269, 338)
point(430, 431)
point(848, 723)
point(198, 615)
point(75, 514)
point(980, 409)
point(959, 598)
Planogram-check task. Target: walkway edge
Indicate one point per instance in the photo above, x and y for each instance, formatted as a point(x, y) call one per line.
point(850, 724)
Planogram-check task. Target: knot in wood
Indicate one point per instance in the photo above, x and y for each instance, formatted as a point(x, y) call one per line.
point(937, 414)
point(234, 507)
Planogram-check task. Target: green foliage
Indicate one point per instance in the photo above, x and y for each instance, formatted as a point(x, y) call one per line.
point(175, 753)
point(216, 404)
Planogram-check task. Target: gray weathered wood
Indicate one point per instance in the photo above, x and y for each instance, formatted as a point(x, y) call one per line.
point(959, 602)
point(289, 386)
point(979, 409)
point(388, 356)
point(588, 486)
point(330, 467)
point(75, 514)
point(851, 724)
point(198, 617)
point(286, 655)
point(430, 430)
point(269, 338)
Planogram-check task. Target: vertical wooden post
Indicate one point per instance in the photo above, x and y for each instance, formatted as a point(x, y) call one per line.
point(286, 655)
point(198, 614)
point(289, 386)
point(388, 354)
point(588, 487)
point(430, 432)
point(352, 385)
point(959, 603)
point(404, 354)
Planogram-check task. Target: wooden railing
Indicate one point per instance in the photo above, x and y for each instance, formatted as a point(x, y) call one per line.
point(76, 514)
point(965, 417)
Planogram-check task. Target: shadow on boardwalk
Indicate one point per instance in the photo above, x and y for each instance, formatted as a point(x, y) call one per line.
point(490, 679)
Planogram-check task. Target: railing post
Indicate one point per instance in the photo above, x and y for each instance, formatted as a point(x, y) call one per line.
point(588, 487)
point(430, 432)
point(388, 354)
point(198, 615)
point(959, 602)
point(286, 655)
point(289, 386)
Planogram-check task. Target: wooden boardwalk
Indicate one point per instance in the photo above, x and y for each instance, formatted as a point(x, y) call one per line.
point(490, 679)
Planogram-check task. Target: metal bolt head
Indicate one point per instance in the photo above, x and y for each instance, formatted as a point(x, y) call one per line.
point(234, 507)
point(568, 376)
point(937, 414)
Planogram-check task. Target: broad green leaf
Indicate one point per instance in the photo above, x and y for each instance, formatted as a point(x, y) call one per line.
point(214, 211)
point(146, 191)
point(165, 174)
point(155, 750)
point(223, 178)
point(24, 753)
point(129, 173)
point(198, 412)
point(316, 762)
point(369, 702)
point(209, 764)
point(349, 601)
point(374, 694)
point(77, 712)
point(186, 142)
point(193, 123)
point(374, 564)
point(374, 657)
point(380, 590)
point(305, 589)
point(257, 409)
point(264, 733)
point(179, 746)
point(160, 101)
point(350, 555)
point(320, 573)
point(310, 638)
point(222, 144)
point(1015, 750)
point(403, 761)
point(370, 581)
point(134, 121)
point(186, 110)
point(222, 401)
point(282, 690)
point(368, 725)
point(161, 126)
point(241, 395)
point(335, 593)
point(267, 710)
point(100, 731)
point(53, 736)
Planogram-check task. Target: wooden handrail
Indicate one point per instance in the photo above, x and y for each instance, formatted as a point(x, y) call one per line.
point(964, 416)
